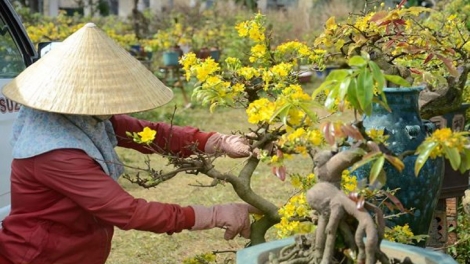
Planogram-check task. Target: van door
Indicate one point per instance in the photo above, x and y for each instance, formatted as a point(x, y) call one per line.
point(16, 53)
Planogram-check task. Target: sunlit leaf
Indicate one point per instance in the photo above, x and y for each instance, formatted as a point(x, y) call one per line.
point(453, 156)
point(357, 61)
point(281, 113)
point(308, 111)
point(366, 159)
point(330, 101)
point(343, 88)
point(365, 91)
point(396, 162)
point(423, 154)
point(398, 80)
point(377, 75)
point(352, 96)
point(376, 168)
point(326, 85)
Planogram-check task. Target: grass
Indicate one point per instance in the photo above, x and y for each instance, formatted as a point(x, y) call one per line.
point(146, 247)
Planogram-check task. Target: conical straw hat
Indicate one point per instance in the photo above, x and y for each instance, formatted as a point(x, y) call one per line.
point(88, 74)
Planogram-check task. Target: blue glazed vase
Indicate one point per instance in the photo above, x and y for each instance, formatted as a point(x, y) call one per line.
point(170, 58)
point(406, 132)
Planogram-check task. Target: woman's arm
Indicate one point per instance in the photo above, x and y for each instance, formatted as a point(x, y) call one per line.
point(78, 177)
point(169, 139)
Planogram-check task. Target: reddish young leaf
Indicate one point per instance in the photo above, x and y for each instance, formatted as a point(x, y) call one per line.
point(415, 71)
point(395, 201)
point(401, 3)
point(326, 129)
point(280, 172)
point(398, 22)
point(377, 17)
point(448, 63)
point(428, 58)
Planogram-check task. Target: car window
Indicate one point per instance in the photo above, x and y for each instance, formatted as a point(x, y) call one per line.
point(11, 60)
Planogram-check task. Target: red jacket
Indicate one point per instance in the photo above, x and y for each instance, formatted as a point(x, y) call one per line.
point(64, 207)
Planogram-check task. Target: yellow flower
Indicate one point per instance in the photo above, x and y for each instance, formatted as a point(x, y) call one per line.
point(258, 51)
point(348, 182)
point(282, 69)
point(242, 29)
point(256, 33)
point(260, 110)
point(248, 72)
point(147, 135)
point(238, 87)
point(442, 134)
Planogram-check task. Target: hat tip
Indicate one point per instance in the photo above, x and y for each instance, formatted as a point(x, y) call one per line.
point(90, 25)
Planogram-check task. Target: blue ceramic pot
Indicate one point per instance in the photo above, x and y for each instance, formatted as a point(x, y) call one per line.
point(170, 58)
point(215, 54)
point(259, 254)
point(406, 132)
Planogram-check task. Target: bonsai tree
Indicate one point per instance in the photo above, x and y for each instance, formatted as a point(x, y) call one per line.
point(284, 123)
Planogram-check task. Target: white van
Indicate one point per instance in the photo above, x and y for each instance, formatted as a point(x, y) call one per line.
point(16, 53)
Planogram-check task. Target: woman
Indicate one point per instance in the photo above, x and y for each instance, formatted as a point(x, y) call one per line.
point(65, 198)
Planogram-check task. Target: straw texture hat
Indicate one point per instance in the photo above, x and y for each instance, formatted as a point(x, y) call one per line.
point(88, 74)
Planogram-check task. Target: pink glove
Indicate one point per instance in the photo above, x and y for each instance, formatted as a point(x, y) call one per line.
point(232, 145)
point(233, 217)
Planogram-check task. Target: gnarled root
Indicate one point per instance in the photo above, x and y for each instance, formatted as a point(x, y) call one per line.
point(333, 206)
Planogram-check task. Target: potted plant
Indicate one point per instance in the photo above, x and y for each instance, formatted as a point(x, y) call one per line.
point(169, 40)
point(284, 124)
point(208, 36)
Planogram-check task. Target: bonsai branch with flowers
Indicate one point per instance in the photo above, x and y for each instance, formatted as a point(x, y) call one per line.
point(285, 123)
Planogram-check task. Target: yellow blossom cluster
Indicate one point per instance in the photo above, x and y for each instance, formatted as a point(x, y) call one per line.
point(377, 135)
point(293, 215)
point(445, 140)
point(208, 257)
point(348, 182)
point(399, 234)
point(296, 210)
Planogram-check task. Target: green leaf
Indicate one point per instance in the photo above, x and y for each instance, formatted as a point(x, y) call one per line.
point(326, 85)
point(306, 108)
point(453, 155)
point(352, 96)
point(423, 154)
point(467, 159)
point(396, 162)
point(343, 88)
point(377, 167)
point(338, 75)
point(378, 76)
point(282, 112)
point(465, 162)
point(366, 159)
point(365, 91)
point(365, 55)
point(331, 98)
point(397, 80)
point(382, 103)
point(357, 61)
